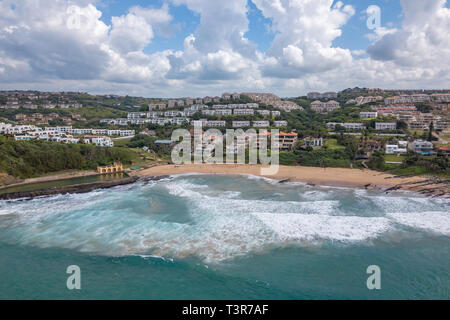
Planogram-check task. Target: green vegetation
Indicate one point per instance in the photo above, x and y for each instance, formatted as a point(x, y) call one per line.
point(393, 158)
point(99, 112)
point(413, 164)
point(31, 159)
point(140, 141)
point(317, 158)
point(332, 144)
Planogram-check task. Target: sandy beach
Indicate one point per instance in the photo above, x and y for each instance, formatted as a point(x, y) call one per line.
point(336, 177)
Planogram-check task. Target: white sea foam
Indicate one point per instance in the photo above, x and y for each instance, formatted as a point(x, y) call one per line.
point(438, 222)
point(295, 227)
point(222, 226)
point(237, 206)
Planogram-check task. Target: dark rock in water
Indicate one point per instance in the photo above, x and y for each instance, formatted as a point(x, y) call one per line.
point(155, 178)
point(285, 181)
point(80, 188)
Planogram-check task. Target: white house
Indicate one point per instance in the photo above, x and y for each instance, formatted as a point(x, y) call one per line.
point(395, 149)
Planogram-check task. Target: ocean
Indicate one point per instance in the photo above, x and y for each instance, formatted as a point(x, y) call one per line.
point(225, 237)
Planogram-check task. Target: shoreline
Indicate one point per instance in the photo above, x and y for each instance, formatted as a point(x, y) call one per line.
point(313, 176)
point(71, 189)
point(332, 177)
point(52, 177)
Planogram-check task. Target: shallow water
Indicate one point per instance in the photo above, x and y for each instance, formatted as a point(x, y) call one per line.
point(63, 183)
point(226, 237)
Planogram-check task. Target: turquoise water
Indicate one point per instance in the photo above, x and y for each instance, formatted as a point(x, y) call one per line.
point(225, 237)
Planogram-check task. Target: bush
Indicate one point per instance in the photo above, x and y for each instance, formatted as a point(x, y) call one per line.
point(31, 159)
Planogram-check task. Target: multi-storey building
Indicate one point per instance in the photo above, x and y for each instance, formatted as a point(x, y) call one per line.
point(386, 126)
point(241, 124)
point(244, 112)
point(324, 107)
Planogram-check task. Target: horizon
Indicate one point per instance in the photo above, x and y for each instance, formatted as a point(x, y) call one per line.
point(220, 94)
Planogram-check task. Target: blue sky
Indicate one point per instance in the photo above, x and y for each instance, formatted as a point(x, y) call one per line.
point(353, 33)
point(170, 48)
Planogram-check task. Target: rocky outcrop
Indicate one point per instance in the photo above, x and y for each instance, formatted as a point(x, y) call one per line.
point(80, 188)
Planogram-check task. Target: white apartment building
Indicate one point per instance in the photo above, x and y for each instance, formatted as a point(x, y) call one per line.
point(216, 124)
point(348, 125)
point(281, 123)
point(23, 138)
point(102, 141)
point(201, 122)
point(385, 126)
point(368, 115)
point(223, 112)
point(139, 121)
point(422, 147)
point(197, 107)
point(157, 106)
point(154, 114)
point(209, 112)
point(395, 149)
point(136, 115)
point(241, 124)
point(245, 112)
point(261, 124)
point(264, 112)
point(173, 113)
point(324, 107)
point(276, 113)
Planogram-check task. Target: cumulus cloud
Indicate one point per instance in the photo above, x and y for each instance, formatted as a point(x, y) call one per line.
point(305, 32)
point(423, 39)
point(65, 45)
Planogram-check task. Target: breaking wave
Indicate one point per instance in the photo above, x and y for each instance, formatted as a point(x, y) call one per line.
point(214, 218)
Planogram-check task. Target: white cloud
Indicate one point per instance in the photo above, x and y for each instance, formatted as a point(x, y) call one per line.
point(423, 40)
point(130, 33)
point(64, 45)
point(305, 32)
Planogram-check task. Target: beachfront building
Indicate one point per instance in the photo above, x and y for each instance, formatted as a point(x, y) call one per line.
point(102, 141)
point(395, 149)
point(114, 168)
point(287, 141)
point(386, 126)
point(368, 115)
point(424, 148)
point(313, 142)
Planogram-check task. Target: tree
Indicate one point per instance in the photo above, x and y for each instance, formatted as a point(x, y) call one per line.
point(430, 133)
